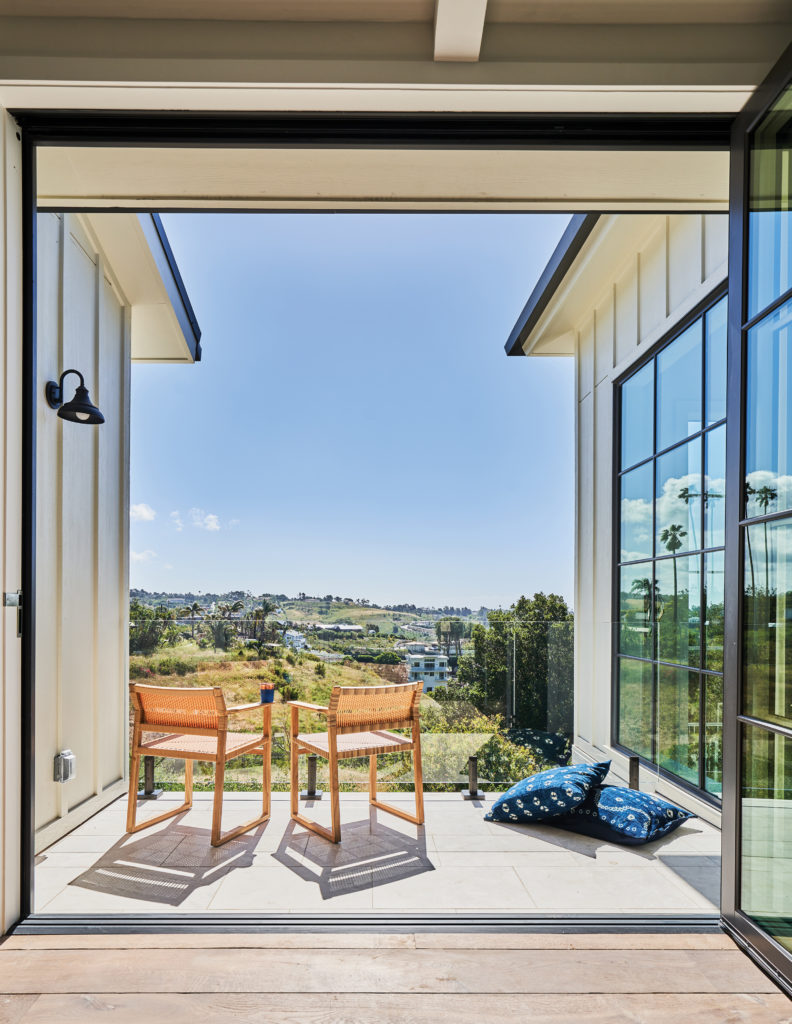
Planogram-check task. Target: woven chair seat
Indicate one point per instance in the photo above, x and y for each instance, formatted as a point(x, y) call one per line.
point(206, 746)
point(355, 744)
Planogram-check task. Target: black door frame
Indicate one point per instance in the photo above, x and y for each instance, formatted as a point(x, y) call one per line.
point(320, 131)
point(772, 956)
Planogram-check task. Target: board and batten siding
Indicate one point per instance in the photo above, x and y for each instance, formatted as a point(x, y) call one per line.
point(82, 475)
point(677, 262)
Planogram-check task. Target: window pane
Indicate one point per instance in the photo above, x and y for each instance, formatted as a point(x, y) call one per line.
point(715, 370)
point(678, 717)
point(635, 610)
point(713, 611)
point(767, 621)
point(768, 436)
point(770, 208)
point(636, 513)
point(766, 806)
point(635, 706)
point(637, 425)
point(679, 388)
point(714, 487)
point(713, 734)
point(677, 609)
point(678, 502)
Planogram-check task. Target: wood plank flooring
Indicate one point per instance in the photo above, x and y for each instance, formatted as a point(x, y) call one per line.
point(363, 979)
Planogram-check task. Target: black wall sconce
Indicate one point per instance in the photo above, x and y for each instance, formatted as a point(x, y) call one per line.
point(80, 409)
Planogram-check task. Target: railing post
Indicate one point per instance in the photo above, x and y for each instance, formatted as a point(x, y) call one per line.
point(311, 793)
point(473, 792)
point(635, 773)
point(148, 792)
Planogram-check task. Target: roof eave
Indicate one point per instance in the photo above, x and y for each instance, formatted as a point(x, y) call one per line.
point(572, 241)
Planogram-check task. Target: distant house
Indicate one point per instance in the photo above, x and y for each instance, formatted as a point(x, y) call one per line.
point(295, 640)
point(431, 668)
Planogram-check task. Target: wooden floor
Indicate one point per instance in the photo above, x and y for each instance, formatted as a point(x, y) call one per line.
point(384, 979)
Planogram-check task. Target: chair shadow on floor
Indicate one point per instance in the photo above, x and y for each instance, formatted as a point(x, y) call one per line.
point(168, 865)
point(370, 854)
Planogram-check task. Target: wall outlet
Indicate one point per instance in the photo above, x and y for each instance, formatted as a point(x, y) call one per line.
point(65, 766)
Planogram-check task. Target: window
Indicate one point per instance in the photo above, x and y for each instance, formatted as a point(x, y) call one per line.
point(670, 537)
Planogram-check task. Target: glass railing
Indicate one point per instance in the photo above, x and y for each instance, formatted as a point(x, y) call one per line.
point(508, 702)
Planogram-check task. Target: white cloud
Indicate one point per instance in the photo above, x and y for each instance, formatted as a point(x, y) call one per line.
point(167, 566)
point(177, 520)
point(204, 520)
point(233, 523)
point(142, 513)
point(142, 556)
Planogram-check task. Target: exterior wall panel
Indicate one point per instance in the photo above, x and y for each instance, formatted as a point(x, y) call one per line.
point(674, 264)
point(82, 513)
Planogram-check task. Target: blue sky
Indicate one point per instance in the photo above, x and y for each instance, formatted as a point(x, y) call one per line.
point(355, 426)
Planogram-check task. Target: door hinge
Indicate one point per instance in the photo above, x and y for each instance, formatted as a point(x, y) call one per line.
point(13, 599)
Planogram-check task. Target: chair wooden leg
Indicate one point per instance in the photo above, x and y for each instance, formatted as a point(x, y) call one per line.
point(372, 778)
point(418, 776)
point(418, 817)
point(335, 802)
point(188, 782)
point(294, 776)
point(134, 782)
point(217, 803)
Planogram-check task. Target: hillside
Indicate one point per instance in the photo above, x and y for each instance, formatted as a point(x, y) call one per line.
point(312, 610)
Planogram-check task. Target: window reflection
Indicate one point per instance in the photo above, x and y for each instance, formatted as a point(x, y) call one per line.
point(770, 207)
point(635, 610)
point(715, 487)
point(713, 611)
point(713, 734)
point(636, 513)
point(678, 609)
point(637, 403)
point(766, 809)
point(768, 439)
point(678, 503)
point(715, 333)
point(767, 621)
point(635, 706)
point(679, 388)
point(678, 722)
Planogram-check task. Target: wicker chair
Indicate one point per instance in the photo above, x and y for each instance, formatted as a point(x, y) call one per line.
point(357, 718)
point(195, 722)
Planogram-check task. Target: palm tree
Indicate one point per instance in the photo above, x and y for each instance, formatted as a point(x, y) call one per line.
point(266, 608)
point(195, 609)
point(687, 496)
point(671, 538)
point(765, 496)
point(749, 492)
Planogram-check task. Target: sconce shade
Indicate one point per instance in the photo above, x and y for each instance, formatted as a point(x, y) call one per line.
point(80, 409)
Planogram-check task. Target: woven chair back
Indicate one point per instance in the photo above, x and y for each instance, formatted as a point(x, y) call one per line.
point(178, 707)
point(360, 708)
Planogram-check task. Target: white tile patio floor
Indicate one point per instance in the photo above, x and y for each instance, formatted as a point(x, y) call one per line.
point(455, 862)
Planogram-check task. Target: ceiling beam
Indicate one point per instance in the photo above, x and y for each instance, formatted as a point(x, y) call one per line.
point(459, 26)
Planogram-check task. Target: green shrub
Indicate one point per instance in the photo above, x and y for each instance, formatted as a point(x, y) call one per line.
point(172, 666)
point(320, 669)
point(291, 659)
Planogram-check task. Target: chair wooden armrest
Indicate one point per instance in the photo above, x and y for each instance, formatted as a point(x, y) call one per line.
point(247, 707)
point(309, 707)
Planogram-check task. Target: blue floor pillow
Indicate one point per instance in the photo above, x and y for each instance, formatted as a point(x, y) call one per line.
point(627, 816)
point(553, 746)
point(548, 794)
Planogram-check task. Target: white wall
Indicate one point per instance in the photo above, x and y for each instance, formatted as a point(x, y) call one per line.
point(81, 530)
point(672, 263)
point(10, 512)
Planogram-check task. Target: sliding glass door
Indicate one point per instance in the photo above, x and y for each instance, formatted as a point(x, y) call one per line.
point(758, 792)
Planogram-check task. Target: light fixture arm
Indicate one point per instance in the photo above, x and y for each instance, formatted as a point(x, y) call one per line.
point(54, 392)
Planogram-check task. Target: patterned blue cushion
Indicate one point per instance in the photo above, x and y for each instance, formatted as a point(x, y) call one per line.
point(552, 746)
point(548, 794)
point(626, 816)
